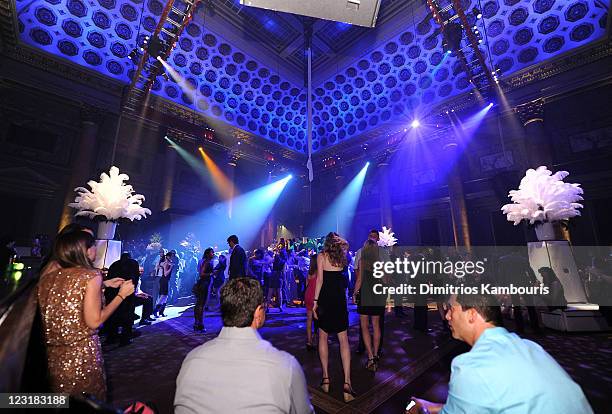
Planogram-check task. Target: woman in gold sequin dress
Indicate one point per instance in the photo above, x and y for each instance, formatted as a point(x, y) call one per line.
point(70, 301)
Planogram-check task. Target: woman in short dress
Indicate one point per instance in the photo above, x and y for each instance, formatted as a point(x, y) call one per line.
point(165, 266)
point(369, 305)
point(70, 303)
point(330, 308)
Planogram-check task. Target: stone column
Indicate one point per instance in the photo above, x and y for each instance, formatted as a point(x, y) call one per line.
point(84, 159)
point(386, 210)
point(461, 229)
point(537, 144)
point(168, 178)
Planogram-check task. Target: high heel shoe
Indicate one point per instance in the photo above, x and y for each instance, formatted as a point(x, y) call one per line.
point(348, 393)
point(325, 385)
point(372, 364)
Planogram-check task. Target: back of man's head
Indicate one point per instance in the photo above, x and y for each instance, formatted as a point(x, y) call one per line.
point(232, 239)
point(240, 298)
point(486, 305)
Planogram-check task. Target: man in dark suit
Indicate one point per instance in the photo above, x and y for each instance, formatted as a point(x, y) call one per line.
point(127, 269)
point(238, 259)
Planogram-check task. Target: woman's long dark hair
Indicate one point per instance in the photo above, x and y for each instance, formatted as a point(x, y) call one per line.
point(70, 249)
point(312, 269)
point(335, 247)
point(369, 255)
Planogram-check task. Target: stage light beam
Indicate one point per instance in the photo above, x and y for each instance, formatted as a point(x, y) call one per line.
point(339, 215)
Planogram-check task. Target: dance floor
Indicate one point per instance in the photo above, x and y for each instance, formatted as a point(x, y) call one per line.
point(413, 363)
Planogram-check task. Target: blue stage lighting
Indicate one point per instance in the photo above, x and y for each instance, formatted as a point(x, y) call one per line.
point(415, 124)
point(212, 225)
point(339, 215)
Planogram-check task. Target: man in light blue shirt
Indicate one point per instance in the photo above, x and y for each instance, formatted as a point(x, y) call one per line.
point(239, 372)
point(502, 373)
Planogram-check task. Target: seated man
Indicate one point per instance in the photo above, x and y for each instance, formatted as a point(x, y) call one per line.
point(239, 372)
point(502, 373)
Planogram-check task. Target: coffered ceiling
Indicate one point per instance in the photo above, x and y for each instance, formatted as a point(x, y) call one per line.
point(247, 64)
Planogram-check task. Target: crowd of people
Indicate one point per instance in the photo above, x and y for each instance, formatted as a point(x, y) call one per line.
point(76, 300)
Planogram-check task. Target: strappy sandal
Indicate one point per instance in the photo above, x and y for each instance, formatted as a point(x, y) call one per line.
point(325, 385)
point(348, 393)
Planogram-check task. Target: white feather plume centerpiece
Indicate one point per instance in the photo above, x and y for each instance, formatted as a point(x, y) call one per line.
point(110, 198)
point(543, 197)
point(386, 238)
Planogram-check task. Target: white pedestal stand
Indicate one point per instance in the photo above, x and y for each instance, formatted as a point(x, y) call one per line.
point(109, 251)
point(579, 315)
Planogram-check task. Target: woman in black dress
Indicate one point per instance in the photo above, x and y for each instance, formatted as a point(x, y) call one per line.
point(369, 304)
point(164, 268)
point(275, 281)
point(200, 289)
point(330, 308)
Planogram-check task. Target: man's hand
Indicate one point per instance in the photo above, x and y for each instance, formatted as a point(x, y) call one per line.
point(114, 282)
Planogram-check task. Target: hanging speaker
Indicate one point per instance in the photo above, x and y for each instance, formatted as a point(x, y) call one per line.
point(356, 12)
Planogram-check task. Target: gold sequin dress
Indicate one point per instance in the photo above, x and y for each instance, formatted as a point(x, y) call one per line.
point(73, 349)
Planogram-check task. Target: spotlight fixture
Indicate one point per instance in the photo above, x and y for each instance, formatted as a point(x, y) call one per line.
point(133, 56)
point(476, 12)
point(156, 47)
point(415, 124)
point(453, 33)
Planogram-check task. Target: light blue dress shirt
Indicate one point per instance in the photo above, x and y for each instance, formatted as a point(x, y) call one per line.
point(239, 372)
point(504, 373)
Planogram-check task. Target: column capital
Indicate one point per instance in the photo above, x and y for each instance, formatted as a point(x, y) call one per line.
point(531, 111)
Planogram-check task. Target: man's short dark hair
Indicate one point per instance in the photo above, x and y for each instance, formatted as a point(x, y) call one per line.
point(240, 298)
point(233, 238)
point(373, 231)
point(486, 305)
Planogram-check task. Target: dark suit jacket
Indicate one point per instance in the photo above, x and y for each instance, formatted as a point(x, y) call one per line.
point(238, 262)
point(127, 270)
